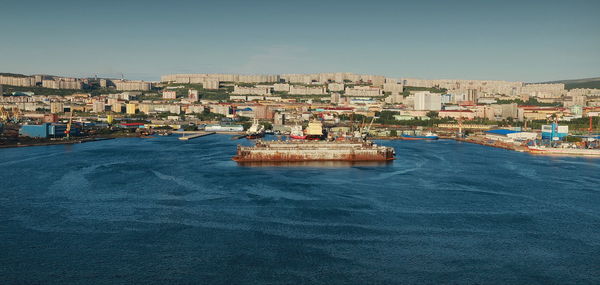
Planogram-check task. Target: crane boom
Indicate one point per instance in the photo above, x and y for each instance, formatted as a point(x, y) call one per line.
point(68, 130)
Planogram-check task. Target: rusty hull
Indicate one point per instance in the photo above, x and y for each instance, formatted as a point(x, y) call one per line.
point(318, 151)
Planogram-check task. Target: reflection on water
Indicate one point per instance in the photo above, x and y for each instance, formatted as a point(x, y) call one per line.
point(317, 164)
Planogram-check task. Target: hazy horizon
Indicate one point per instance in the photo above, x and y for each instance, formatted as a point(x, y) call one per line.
point(536, 41)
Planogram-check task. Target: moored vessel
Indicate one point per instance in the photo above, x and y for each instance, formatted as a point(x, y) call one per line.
point(542, 150)
point(255, 131)
point(293, 151)
point(223, 128)
point(427, 136)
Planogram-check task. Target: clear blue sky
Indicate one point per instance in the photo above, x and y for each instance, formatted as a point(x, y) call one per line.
point(505, 40)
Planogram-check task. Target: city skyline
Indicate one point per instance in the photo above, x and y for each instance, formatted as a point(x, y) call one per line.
point(300, 142)
point(511, 41)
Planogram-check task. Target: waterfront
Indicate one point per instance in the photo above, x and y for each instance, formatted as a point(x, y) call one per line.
point(160, 210)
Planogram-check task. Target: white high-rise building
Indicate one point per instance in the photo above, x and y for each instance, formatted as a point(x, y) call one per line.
point(427, 101)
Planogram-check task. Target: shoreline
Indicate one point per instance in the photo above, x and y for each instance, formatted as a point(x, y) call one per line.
point(47, 143)
point(511, 147)
point(494, 144)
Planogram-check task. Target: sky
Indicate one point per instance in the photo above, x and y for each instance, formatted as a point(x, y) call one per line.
point(531, 41)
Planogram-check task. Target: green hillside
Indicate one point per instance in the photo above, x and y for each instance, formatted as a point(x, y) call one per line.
point(579, 83)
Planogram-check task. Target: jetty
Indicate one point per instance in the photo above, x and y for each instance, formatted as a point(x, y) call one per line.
point(188, 135)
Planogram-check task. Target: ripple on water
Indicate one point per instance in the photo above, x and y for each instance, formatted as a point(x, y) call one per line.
point(162, 210)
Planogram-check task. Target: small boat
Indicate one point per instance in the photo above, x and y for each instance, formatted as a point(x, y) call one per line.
point(255, 131)
point(427, 136)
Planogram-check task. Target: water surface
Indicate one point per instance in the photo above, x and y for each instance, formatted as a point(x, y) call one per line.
point(156, 211)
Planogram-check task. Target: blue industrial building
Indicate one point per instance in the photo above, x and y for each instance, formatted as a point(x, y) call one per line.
point(554, 132)
point(46, 130)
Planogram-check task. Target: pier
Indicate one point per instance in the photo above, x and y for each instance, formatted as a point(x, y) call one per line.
point(188, 135)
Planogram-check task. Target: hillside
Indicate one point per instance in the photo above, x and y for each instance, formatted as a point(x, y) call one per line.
point(579, 83)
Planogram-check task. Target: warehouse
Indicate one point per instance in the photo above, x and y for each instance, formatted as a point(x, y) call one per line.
point(509, 135)
point(46, 130)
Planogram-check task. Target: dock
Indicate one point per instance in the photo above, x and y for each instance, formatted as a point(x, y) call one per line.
point(188, 135)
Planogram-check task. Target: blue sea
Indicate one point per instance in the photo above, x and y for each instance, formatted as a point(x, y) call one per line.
point(163, 211)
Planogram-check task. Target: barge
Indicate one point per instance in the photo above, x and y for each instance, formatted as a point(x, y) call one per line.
point(297, 151)
point(541, 150)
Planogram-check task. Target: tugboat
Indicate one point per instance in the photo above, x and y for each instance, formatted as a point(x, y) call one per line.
point(255, 131)
point(297, 133)
point(427, 136)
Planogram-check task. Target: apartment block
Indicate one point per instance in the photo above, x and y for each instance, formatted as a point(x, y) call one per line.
point(427, 101)
point(363, 91)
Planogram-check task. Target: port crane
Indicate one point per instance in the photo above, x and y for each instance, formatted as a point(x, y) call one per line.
point(368, 128)
point(8, 115)
point(4, 114)
point(68, 130)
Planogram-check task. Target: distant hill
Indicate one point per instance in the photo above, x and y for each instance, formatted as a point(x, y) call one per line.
point(12, 74)
point(579, 83)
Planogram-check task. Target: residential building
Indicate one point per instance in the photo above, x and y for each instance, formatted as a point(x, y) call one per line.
point(306, 90)
point(335, 87)
point(56, 107)
point(393, 87)
point(210, 84)
point(169, 94)
point(363, 91)
point(244, 90)
point(193, 95)
point(126, 85)
point(281, 87)
point(428, 101)
point(130, 108)
point(98, 106)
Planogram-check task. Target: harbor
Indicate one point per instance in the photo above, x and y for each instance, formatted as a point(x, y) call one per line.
point(189, 200)
point(300, 142)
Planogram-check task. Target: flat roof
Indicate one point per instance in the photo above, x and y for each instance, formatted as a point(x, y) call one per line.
point(502, 132)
